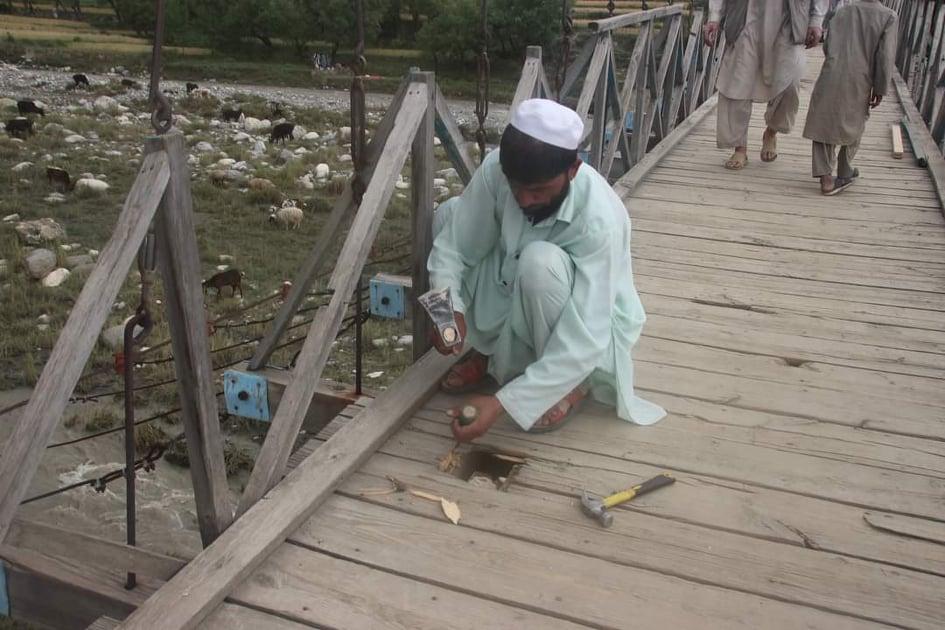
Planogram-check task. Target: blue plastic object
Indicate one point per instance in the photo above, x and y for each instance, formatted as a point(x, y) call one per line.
point(388, 299)
point(4, 596)
point(247, 395)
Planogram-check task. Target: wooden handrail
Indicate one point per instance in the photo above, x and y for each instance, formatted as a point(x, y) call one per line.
point(632, 19)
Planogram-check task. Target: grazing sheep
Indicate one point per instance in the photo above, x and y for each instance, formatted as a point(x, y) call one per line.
point(290, 217)
point(191, 87)
point(232, 278)
point(59, 178)
point(282, 131)
point(30, 107)
point(201, 93)
point(258, 183)
point(20, 127)
point(231, 115)
point(293, 203)
point(218, 177)
point(80, 80)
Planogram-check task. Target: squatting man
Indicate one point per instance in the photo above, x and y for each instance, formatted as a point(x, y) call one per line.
point(536, 256)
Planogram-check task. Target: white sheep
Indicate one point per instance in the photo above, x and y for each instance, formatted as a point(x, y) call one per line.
point(290, 217)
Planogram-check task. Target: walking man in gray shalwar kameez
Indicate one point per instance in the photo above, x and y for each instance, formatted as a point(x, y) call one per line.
point(763, 63)
point(860, 50)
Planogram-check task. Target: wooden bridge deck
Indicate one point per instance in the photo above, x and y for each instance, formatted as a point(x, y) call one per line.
point(797, 342)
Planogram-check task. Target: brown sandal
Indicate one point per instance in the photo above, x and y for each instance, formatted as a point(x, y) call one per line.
point(466, 376)
point(567, 407)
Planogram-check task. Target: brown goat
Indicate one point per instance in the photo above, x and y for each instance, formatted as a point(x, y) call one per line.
point(232, 278)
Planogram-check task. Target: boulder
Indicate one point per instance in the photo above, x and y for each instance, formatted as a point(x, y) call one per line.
point(7, 103)
point(55, 198)
point(448, 173)
point(82, 271)
point(106, 105)
point(311, 136)
point(322, 171)
point(241, 136)
point(306, 182)
point(344, 159)
point(91, 185)
point(203, 147)
point(226, 162)
point(74, 139)
point(78, 260)
point(39, 231)
point(56, 277)
point(439, 181)
point(254, 125)
point(53, 128)
point(285, 155)
point(39, 263)
point(344, 134)
point(299, 132)
point(10, 218)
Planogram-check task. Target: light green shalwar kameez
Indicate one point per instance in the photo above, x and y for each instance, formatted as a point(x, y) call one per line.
point(553, 305)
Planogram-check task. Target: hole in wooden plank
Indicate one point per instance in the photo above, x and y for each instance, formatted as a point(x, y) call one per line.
point(483, 467)
point(795, 362)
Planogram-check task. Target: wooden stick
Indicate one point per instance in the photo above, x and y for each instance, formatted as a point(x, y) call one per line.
point(422, 162)
point(271, 461)
point(897, 149)
point(196, 591)
point(531, 77)
point(452, 138)
point(179, 263)
point(26, 444)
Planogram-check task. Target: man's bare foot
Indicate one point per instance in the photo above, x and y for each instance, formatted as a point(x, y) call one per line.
point(738, 160)
point(561, 413)
point(769, 145)
point(826, 184)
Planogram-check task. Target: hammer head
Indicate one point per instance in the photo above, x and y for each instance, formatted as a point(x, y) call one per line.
point(594, 507)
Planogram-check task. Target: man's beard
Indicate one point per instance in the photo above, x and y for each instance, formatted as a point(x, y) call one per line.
point(538, 213)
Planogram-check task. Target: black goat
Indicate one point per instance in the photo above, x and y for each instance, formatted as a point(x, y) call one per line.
point(80, 80)
point(231, 115)
point(29, 107)
point(282, 131)
point(20, 127)
point(232, 278)
point(191, 87)
point(130, 83)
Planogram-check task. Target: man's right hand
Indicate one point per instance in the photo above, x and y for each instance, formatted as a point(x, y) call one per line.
point(461, 328)
point(710, 33)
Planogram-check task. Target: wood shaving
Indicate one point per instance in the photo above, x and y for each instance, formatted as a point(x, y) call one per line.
point(426, 495)
point(375, 492)
point(449, 462)
point(451, 510)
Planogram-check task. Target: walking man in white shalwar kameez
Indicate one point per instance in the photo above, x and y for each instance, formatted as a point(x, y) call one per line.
point(763, 63)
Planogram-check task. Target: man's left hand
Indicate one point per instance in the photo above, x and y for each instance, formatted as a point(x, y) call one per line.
point(875, 100)
point(814, 35)
point(489, 409)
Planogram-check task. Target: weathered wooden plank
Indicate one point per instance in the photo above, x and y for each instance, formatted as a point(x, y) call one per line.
point(580, 589)
point(275, 451)
point(197, 589)
point(91, 550)
point(631, 19)
point(936, 165)
point(577, 66)
point(933, 531)
point(529, 81)
point(638, 540)
point(592, 79)
point(26, 444)
point(601, 108)
point(452, 138)
point(226, 617)
point(632, 82)
point(329, 592)
point(340, 213)
point(422, 163)
point(179, 263)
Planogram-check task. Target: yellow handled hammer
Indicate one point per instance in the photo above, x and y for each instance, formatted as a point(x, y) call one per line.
point(598, 508)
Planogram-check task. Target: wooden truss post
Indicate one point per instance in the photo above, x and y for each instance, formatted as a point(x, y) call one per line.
point(390, 159)
point(533, 83)
point(422, 163)
point(179, 264)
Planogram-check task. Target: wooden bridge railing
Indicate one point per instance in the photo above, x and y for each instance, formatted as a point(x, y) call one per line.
point(669, 74)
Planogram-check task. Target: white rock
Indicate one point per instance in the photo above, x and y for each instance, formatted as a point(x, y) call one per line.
point(56, 277)
point(241, 136)
point(285, 155)
point(311, 136)
point(226, 162)
point(305, 181)
point(405, 340)
point(299, 132)
point(11, 217)
point(226, 258)
point(91, 185)
point(48, 157)
point(53, 128)
point(113, 153)
point(214, 124)
point(114, 336)
point(93, 253)
point(448, 173)
point(39, 263)
point(438, 181)
point(39, 231)
point(258, 149)
point(322, 171)
point(222, 267)
point(180, 120)
point(344, 158)
point(192, 160)
point(375, 374)
point(380, 343)
point(242, 166)
point(74, 139)
point(7, 103)
point(43, 319)
point(436, 141)
point(203, 147)
point(55, 198)
point(344, 134)
point(107, 105)
point(254, 125)
point(42, 327)
point(301, 151)
point(401, 185)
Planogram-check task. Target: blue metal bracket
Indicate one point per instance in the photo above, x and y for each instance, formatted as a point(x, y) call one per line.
point(4, 595)
point(388, 297)
point(247, 395)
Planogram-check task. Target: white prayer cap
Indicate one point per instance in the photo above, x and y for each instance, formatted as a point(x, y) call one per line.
point(549, 122)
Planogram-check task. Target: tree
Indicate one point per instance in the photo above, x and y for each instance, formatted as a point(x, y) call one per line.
point(452, 33)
